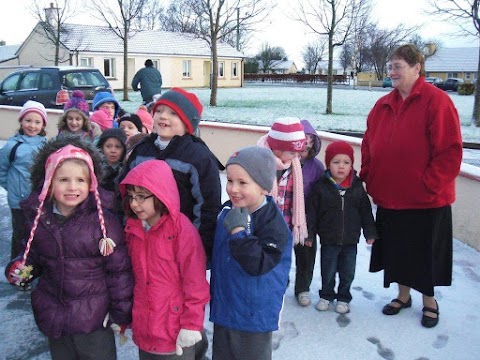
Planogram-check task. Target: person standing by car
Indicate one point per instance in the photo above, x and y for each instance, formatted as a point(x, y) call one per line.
point(150, 81)
point(411, 155)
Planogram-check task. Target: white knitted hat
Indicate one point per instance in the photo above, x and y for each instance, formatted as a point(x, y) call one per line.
point(36, 107)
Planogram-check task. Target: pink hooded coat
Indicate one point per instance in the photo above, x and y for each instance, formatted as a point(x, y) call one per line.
point(169, 265)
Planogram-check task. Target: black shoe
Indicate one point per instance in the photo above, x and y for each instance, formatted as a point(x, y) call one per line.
point(392, 310)
point(428, 321)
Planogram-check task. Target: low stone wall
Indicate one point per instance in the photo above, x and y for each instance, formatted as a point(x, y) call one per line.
point(223, 139)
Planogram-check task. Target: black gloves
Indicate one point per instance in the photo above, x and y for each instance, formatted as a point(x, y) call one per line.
point(237, 217)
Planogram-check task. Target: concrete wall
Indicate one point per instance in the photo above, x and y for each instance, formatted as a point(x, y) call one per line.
point(224, 139)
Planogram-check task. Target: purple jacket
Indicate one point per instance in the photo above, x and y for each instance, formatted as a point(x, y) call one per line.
point(78, 286)
point(313, 168)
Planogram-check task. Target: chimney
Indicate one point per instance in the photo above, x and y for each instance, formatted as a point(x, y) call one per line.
point(2, 42)
point(51, 15)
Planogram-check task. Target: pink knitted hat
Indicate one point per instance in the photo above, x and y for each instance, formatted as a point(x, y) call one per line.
point(147, 119)
point(287, 134)
point(106, 245)
point(36, 107)
point(103, 118)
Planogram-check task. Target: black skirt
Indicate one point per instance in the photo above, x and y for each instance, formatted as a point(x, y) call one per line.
point(414, 248)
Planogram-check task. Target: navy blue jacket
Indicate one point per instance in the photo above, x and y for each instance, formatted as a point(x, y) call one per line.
point(338, 219)
point(250, 271)
point(197, 175)
point(150, 81)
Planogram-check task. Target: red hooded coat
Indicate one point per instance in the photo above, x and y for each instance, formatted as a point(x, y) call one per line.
point(169, 265)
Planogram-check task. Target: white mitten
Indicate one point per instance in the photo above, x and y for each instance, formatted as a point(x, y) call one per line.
point(187, 338)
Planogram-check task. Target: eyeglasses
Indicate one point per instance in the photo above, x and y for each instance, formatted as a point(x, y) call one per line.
point(395, 67)
point(138, 198)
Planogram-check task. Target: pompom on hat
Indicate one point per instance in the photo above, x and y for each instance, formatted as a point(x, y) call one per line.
point(185, 104)
point(77, 102)
point(146, 117)
point(36, 107)
point(103, 118)
point(258, 162)
point(335, 148)
point(286, 134)
point(106, 245)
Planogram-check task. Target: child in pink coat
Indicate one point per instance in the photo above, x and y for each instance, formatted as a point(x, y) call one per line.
point(169, 266)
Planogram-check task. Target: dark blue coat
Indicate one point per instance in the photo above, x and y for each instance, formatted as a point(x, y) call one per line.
point(250, 271)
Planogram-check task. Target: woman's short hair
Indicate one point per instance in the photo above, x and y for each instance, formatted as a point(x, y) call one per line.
point(411, 55)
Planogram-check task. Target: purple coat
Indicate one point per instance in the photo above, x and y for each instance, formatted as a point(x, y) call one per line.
point(312, 169)
point(78, 286)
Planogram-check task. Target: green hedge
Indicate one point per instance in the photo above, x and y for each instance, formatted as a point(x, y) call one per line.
point(466, 89)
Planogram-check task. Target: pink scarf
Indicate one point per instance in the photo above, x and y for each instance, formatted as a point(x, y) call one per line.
point(299, 222)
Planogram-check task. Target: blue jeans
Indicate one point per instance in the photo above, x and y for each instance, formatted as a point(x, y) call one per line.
point(341, 259)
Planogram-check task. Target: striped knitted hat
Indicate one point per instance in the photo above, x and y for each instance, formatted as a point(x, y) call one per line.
point(286, 134)
point(185, 104)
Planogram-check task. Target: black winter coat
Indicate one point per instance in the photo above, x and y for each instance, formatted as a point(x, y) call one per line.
point(338, 219)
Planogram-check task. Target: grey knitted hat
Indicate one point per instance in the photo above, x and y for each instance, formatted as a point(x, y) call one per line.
point(258, 162)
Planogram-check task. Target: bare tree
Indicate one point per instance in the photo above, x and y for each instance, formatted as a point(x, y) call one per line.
point(313, 54)
point(120, 16)
point(381, 42)
point(465, 15)
point(269, 55)
point(52, 23)
point(217, 20)
point(150, 16)
point(346, 55)
point(178, 17)
point(334, 18)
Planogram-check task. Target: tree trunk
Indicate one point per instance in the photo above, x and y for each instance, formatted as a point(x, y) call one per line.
point(330, 74)
point(213, 92)
point(476, 103)
point(125, 66)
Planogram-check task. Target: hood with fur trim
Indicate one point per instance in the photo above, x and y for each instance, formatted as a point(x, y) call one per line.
point(38, 167)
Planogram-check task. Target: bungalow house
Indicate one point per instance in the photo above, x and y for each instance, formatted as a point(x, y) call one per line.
point(183, 59)
point(459, 62)
point(279, 67)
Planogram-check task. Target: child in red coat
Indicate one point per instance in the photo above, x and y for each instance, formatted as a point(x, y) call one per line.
point(169, 266)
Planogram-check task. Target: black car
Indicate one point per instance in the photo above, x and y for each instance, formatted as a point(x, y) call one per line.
point(51, 85)
point(450, 84)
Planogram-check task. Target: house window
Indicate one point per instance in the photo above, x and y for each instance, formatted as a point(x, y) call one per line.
point(187, 68)
point(452, 74)
point(468, 76)
point(234, 69)
point(221, 69)
point(156, 64)
point(86, 61)
point(109, 67)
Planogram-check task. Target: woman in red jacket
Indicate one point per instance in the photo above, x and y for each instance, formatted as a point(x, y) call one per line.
point(411, 155)
point(169, 265)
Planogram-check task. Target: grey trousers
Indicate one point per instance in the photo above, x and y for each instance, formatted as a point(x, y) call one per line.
point(97, 345)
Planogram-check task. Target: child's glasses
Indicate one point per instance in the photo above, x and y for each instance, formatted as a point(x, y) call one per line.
point(138, 198)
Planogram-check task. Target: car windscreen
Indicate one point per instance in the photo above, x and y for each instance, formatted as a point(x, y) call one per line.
point(84, 79)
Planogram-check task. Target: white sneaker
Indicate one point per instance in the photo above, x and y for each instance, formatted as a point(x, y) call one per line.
point(304, 298)
point(342, 307)
point(322, 305)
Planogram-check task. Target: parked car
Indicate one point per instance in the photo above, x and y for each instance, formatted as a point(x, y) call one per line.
point(51, 85)
point(451, 84)
point(387, 82)
point(434, 80)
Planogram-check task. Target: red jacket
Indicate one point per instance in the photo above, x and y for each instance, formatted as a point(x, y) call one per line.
point(169, 265)
point(412, 150)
